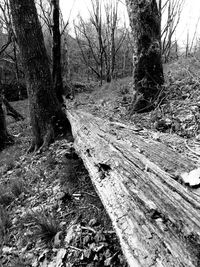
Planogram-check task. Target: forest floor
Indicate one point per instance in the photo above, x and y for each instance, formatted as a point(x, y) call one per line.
point(50, 214)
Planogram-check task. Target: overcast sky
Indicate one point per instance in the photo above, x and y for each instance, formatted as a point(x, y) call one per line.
point(189, 18)
point(71, 8)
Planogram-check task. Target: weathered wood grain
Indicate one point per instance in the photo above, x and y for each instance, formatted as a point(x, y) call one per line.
point(156, 218)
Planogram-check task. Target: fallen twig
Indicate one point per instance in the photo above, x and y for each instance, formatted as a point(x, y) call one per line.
point(195, 152)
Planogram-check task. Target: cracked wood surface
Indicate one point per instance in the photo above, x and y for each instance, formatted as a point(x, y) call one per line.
point(156, 218)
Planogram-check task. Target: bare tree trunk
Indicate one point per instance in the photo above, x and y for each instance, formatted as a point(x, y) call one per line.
point(113, 53)
point(111, 25)
point(16, 66)
point(57, 72)
point(187, 45)
point(98, 20)
point(47, 118)
point(147, 65)
point(66, 60)
point(5, 138)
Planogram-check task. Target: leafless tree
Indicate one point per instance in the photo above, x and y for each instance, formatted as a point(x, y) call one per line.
point(12, 54)
point(96, 20)
point(111, 11)
point(170, 15)
point(91, 53)
point(100, 38)
point(5, 21)
point(47, 118)
point(5, 137)
point(45, 13)
point(190, 40)
point(55, 30)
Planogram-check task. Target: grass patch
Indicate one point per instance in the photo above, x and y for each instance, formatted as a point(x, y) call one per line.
point(46, 226)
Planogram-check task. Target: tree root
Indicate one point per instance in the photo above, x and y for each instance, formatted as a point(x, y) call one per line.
point(40, 146)
point(59, 127)
point(140, 105)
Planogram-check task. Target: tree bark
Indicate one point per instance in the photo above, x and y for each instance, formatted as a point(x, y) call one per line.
point(155, 216)
point(111, 27)
point(47, 118)
point(5, 138)
point(57, 72)
point(147, 65)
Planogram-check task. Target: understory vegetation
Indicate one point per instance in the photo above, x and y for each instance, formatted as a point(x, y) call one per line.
point(49, 210)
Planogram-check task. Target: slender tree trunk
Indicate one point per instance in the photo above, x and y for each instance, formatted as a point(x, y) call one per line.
point(107, 66)
point(5, 138)
point(3, 129)
point(113, 51)
point(16, 67)
point(112, 62)
point(47, 118)
point(147, 65)
point(67, 60)
point(124, 62)
point(111, 10)
point(57, 72)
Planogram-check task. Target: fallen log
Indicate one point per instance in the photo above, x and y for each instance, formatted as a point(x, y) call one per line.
point(156, 218)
